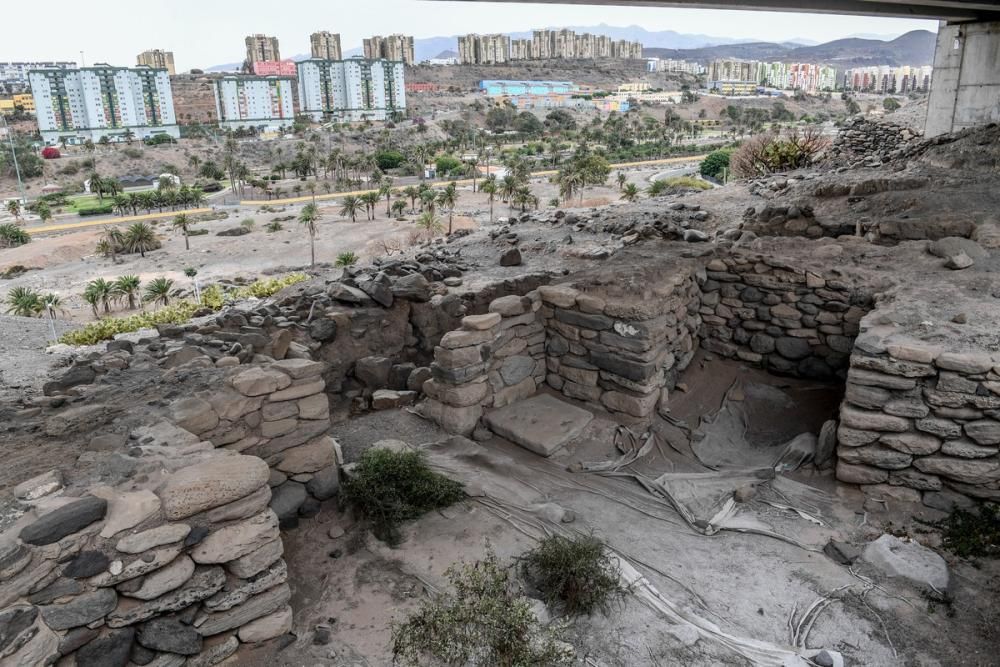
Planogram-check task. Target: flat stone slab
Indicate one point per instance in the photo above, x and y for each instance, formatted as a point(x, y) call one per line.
point(908, 560)
point(542, 424)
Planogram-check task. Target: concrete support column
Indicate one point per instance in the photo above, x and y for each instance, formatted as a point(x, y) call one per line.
point(965, 87)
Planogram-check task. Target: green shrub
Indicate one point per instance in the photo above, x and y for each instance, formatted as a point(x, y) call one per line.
point(106, 209)
point(248, 223)
point(132, 153)
point(12, 236)
point(482, 622)
point(676, 184)
point(274, 226)
point(446, 164)
point(972, 534)
point(388, 488)
point(346, 259)
point(389, 159)
point(576, 575)
point(715, 163)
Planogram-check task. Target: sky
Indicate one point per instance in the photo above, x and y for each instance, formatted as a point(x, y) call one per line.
point(204, 33)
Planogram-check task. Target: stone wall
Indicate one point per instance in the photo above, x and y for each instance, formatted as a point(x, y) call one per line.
point(279, 412)
point(621, 354)
point(788, 320)
point(494, 360)
point(172, 568)
point(919, 422)
point(870, 143)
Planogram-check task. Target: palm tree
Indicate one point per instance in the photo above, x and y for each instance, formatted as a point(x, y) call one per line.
point(398, 207)
point(371, 201)
point(113, 239)
point(349, 207)
point(140, 238)
point(346, 259)
point(14, 208)
point(508, 186)
point(448, 198)
point(127, 287)
point(183, 223)
point(159, 291)
point(413, 193)
point(24, 302)
point(630, 193)
point(97, 185)
point(311, 187)
point(386, 191)
point(429, 222)
point(621, 178)
point(309, 217)
point(489, 186)
point(427, 199)
point(99, 291)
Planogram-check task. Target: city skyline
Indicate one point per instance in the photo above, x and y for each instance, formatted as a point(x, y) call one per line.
point(217, 36)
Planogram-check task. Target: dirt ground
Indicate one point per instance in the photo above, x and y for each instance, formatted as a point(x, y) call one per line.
point(747, 584)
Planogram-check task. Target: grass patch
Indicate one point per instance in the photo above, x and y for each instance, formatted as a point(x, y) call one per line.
point(972, 534)
point(212, 297)
point(577, 576)
point(483, 621)
point(675, 184)
point(388, 488)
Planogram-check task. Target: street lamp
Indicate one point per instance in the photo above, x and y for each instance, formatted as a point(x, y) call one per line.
point(13, 155)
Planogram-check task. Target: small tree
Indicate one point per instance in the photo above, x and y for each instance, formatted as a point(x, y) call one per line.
point(183, 223)
point(428, 221)
point(398, 207)
point(621, 178)
point(43, 211)
point(159, 291)
point(630, 192)
point(14, 208)
point(309, 217)
point(489, 186)
point(349, 207)
point(127, 288)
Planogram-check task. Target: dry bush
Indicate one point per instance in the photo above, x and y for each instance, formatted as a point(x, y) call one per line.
point(770, 153)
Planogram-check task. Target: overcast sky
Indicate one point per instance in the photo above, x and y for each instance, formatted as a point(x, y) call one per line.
point(203, 33)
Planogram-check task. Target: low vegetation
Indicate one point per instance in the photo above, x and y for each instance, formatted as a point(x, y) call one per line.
point(772, 152)
point(160, 290)
point(716, 164)
point(973, 534)
point(668, 186)
point(27, 302)
point(483, 621)
point(389, 487)
point(577, 576)
point(12, 236)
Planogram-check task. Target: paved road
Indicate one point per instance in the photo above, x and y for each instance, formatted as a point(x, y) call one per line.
point(117, 220)
point(441, 184)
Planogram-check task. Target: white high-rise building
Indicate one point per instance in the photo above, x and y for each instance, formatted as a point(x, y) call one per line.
point(351, 90)
point(74, 105)
point(263, 103)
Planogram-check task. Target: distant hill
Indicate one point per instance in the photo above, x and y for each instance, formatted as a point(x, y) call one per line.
point(912, 48)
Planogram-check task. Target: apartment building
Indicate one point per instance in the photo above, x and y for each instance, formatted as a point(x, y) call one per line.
point(265, 104)
point(23, 101)
point(351, 90)
point(551, 44)
point(74, 105)
point(157, 59)
point(261, 48)
point(520, 49)
point(397, 48)
point(886, 79)
point(483, 49)
point(16, 73)
point(807, 77)
point(325, 45)
point(670, 65)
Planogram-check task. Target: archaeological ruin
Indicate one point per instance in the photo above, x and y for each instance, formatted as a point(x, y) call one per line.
point(808, 363)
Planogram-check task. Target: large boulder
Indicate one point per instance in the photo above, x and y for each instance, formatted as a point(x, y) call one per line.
point(211, 483)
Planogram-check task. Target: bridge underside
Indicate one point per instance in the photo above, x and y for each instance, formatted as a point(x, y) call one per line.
point(954, 11)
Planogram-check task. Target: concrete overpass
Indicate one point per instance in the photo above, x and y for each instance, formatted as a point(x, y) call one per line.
point(965, 88)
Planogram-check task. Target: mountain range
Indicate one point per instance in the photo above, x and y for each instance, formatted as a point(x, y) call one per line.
point(912, 48)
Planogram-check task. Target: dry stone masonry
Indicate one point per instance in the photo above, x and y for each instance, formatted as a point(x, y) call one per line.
point(173, 568)
point(921, 418)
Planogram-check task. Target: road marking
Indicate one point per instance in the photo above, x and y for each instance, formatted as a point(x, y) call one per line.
point(112, 221)
point(441, 184)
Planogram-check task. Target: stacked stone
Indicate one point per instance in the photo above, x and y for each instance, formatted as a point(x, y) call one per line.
point(764, 311)
point(921, 423)
point(494, 360)
point(176, 573)
point(866, 142)
point(281, 413)
point(621, 354)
